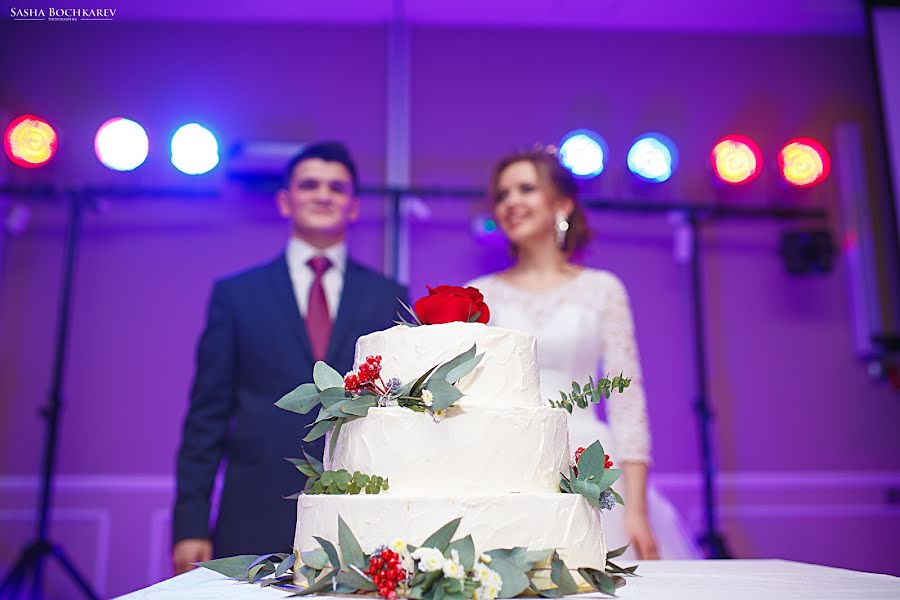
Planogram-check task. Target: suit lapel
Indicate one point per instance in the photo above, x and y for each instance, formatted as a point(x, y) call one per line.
point(348, 309)
point(287, 302)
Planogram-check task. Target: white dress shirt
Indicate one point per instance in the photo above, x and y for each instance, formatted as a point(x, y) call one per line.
point(302, 275)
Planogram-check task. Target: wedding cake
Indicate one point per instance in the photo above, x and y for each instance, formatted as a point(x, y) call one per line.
point(494, 457)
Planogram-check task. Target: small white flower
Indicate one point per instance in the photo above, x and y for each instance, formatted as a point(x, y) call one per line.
point(427, 397)
point(487, 592)
point(481, 573)
point(407, 563)
point(430, 559)
point(452, 568)
point(439, 415)
point(485, 558)
point(398, 546)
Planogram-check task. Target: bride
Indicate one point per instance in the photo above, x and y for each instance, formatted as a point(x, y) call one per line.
point(582, 321)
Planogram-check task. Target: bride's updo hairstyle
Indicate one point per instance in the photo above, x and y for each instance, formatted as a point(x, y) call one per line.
point(556, 180)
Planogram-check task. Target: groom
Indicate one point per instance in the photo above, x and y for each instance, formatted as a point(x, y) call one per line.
point(265, 329)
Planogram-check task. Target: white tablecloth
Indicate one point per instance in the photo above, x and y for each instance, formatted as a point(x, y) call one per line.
point(659, 580)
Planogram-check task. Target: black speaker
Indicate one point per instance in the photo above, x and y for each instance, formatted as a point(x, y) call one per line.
point(807, 252)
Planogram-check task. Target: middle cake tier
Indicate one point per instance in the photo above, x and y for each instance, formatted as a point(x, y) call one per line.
point(486, 449)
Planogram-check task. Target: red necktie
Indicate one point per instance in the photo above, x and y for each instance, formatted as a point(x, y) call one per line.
point(318, 320)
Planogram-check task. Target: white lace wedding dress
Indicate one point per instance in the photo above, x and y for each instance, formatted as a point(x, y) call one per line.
point(584, 328)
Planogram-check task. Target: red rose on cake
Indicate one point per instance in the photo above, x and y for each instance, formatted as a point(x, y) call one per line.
point(451, 303)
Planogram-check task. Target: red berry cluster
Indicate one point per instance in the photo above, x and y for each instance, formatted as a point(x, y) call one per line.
point(608, 464)
point(386, 573)
point(366, 375)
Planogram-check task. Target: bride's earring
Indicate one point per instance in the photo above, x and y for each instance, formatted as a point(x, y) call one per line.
point(562, 228)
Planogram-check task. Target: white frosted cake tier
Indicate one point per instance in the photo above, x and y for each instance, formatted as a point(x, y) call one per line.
point(507, 375)
point(490, 450)
point(565, 522)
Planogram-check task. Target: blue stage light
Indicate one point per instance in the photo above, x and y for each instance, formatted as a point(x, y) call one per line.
point(583, 152)
point(195, 150)
point(652, 157)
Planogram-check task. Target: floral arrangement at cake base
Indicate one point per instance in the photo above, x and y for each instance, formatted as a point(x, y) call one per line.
point(439, 569)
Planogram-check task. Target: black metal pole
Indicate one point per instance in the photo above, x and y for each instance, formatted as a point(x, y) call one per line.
point(711, 539)
point(396, 223)
point(32, 557)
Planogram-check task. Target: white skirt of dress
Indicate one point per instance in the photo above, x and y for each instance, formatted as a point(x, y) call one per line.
point(673, 539)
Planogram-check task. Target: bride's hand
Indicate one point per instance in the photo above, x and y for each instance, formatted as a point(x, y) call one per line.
point(637, 526)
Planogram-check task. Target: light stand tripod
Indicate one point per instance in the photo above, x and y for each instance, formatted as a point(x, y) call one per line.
point(711, 539)
point(30, 563)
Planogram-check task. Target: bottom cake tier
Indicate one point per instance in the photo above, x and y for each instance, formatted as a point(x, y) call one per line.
point(565, 522)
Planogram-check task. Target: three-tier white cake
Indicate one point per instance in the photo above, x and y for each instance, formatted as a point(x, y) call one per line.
point(495, 460)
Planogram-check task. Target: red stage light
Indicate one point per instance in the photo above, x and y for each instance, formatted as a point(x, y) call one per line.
point(736, 159)
point(30, 141)
point(803, 162)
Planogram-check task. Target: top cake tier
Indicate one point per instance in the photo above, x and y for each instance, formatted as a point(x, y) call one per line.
point(506, 376)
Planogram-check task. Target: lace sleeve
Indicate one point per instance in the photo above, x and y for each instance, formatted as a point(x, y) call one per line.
point(627, 412)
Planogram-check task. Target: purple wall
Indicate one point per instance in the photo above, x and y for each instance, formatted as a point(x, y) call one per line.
point(806, 441)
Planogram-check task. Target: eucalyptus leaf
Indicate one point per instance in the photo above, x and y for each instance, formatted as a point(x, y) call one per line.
point(617, 552)
point(560, 575)
point(234, 567)
point(259, 571)
point(440, 539)
point(331, 396)
point(533, 557)
point(464, 369)
point(285, 564)
point(316, 559)
point(466, 549)
point(332, 442)
point(428, 581)
point(301, 399)
point(326, 377)
point(303, 466)
point(351, 552)
point(331, 551)
point(444, 393)
point(515, 581)
point(352, 578)
point(416, 388)
point(591, 491)
point(323, 584)
point(279, 580)
point(261, 559)
point(443, 370)
point(360, 407)
point(343, 477)
point(599, 580)
point(610, 476)
point(319, 429)
point(314, 462)
point(592, 462)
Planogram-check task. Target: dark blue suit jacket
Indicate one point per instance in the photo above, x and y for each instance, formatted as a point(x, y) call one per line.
point(254, 350)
